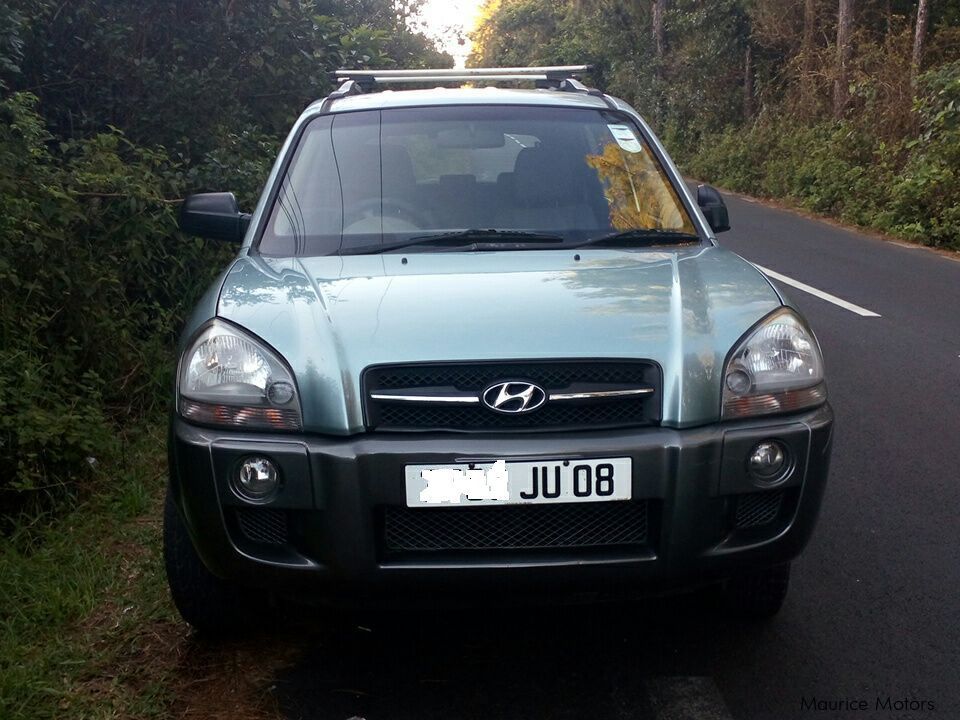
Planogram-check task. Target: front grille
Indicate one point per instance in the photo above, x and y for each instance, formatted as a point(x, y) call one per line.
point(263, 525)
point(552, 376)
point(517, 527)
point(475, 376)
point(756, 509)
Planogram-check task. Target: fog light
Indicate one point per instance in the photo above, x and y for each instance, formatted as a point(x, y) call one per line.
point(257, 478)
point(767, 461)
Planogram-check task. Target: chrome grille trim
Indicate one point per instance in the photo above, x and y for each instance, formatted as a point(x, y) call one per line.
point(600, 394)
point(552, 397)
point(405, 397)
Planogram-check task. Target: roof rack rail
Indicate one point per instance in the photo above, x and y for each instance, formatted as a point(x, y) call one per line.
point(553, 74)
point(554, 77)
point(574, 85)
point(349, 87)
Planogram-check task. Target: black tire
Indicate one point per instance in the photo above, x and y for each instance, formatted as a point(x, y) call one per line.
point(213, 606)
point(758, 595)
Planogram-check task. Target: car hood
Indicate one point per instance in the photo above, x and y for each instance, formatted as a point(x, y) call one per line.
point(332, 316)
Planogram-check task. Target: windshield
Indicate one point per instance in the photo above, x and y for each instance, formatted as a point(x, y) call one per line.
point(365, 180)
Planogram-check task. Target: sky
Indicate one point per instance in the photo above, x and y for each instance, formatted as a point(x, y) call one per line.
point(448, 20)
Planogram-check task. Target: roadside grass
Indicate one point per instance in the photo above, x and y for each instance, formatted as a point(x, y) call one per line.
point(87, 629)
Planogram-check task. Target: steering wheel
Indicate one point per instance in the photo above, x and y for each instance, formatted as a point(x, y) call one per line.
point(380, 207)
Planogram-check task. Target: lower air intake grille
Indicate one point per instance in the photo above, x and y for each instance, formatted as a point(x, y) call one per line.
point(263, 525)
point(527, 527)
point(758, 508)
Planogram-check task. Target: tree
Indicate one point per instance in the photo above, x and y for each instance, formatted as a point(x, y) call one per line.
point(176, 73)
point(919, 38)
point(658, 11)
point(841, 83)
point(808, 51)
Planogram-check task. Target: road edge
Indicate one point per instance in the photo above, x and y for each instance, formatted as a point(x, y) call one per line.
point(868, 232)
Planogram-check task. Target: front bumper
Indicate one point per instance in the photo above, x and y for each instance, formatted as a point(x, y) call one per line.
point(693, 482)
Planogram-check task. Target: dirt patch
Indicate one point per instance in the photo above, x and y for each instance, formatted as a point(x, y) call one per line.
point(231, 681)
point(187, 676)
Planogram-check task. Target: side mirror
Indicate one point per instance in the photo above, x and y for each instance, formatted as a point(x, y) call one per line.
point(713, 207)
point(213, 215)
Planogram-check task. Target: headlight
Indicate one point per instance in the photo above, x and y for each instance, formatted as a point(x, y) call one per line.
point(229, 378)
point(776, 368)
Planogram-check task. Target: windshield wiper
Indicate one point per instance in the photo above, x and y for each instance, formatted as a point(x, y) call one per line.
point(457, 239)
point(631, 237)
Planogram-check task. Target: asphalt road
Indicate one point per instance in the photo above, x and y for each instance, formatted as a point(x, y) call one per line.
point(874, 608)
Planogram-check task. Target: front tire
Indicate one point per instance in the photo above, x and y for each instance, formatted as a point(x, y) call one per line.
point(758, 595)
point(213, 606)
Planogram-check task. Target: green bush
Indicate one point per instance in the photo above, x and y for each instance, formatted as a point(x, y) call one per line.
point(95, 280)
point(910, 189)
point(110, 112)
point(925, 196)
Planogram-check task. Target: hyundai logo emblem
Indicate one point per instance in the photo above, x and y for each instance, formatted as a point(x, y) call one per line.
point(514, 397)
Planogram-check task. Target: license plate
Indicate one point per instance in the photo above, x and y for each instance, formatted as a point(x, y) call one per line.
point(518, 483)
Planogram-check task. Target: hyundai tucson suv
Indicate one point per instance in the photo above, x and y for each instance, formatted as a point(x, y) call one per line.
point(481, 342)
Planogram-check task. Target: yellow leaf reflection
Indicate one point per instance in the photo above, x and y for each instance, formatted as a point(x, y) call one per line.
point(637, 192)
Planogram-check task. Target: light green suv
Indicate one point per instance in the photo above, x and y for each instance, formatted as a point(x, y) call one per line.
point(480, 342)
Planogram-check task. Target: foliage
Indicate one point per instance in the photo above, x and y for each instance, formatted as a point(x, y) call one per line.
point(741, 96)
point(95, 280)
point(110, 112)
point(925, 196)
point(176, 73)
point(909, 188)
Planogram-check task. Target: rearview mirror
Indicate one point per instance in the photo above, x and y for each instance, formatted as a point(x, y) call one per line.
point(470, 137)
point(713, 207)
point(213, 215)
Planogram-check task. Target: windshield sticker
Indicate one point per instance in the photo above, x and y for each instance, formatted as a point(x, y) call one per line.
point(625, 138)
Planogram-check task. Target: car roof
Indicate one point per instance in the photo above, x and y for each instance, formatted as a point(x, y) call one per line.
point(439, 96)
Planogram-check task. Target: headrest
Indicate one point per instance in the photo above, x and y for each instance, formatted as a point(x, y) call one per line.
point(542, 177)
point(457, 183)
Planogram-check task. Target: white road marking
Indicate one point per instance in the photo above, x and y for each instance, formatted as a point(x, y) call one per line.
point(908, 246)
point(839, 302)
point(686, 698)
